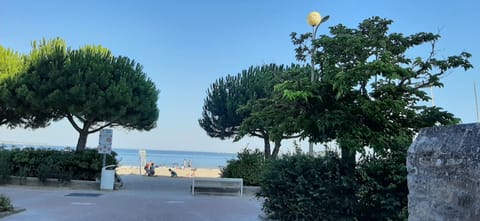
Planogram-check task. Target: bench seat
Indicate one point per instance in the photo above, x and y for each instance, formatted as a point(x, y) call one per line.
point(217, 186)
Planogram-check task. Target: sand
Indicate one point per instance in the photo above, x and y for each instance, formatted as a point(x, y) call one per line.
point(163, 171)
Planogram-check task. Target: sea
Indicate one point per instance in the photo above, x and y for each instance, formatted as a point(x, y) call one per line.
point(175, 159)
point(167, 158)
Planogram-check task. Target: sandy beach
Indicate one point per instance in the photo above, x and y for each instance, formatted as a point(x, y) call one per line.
point(163, 171)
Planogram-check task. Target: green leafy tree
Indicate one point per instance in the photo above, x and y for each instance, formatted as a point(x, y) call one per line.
point(241, 105)
point(369, 93)
point(369, 90)
point(89, 86)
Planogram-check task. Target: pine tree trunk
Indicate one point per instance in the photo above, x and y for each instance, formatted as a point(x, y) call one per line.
point(266, 141)
point(349, 162)
point(82, 139)
point(276, 149)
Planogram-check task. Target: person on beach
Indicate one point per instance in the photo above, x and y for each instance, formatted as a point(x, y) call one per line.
point(151, 170)
point(172, 173)
point(146, 168)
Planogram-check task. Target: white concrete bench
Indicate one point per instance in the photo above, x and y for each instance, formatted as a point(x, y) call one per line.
point(217, 186)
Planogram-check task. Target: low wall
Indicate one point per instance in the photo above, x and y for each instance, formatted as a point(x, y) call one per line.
point(443, 166)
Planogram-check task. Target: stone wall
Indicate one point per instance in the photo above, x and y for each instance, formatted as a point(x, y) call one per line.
point(443, 166)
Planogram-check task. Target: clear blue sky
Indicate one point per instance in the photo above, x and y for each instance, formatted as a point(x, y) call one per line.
point(184, 46)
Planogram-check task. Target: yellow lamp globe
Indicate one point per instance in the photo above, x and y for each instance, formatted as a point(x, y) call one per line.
point(314, 18)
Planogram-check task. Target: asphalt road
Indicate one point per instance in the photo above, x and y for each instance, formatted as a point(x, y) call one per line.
point(141, 199)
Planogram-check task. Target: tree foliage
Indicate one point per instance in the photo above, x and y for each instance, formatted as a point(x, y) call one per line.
point(89, 86)
point(368, 89)
point(11, 63)
point(242, 105)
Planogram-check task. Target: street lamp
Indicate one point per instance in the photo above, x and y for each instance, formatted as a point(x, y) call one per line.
point(314, 19)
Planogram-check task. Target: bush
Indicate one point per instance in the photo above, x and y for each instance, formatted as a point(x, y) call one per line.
point(383, 190)
point(61, 165)
point(5, 166)
point(248, 166)
point(5, 204)
point(302, 187)
point(56, 166)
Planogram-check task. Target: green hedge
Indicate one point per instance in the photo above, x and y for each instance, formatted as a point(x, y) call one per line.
point(302, 187)
point(383, 191)
point(47, 163)
point(248, 165)
point(5, 166)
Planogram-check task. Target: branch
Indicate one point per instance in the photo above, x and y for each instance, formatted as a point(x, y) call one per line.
point(428, 82)
point(291, 136)
point(422, 69)
point(432, 51)
point(257, 135)
point(100, 128)
point(74, 124)
point(80, 118)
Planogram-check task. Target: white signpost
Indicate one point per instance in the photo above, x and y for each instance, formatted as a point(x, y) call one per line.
point(105, 141)
point(105, 147)
point(143, 159)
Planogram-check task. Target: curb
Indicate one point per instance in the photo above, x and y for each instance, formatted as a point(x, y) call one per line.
point(73, 184)
point(15, 211)
point(251, 190)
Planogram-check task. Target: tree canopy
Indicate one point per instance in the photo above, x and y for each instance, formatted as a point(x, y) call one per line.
point(369, 91)
point(11, 63)
point(89, 86)
point(242, 105)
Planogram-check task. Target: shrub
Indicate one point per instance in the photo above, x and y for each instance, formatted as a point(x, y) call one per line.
point(87, 165)
point(22, 160)
point(302, 187)
point(383, 190)
point(55, 166)
point(5, 204)
point(248, 166)
point(5, 166)
point(61, 165)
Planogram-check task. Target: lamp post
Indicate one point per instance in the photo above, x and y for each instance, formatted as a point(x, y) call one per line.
point(314, 19)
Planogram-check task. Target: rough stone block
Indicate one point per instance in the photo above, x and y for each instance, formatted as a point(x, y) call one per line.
point(443, 174)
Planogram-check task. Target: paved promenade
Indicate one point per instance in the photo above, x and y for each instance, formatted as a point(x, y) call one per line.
point(141, 199)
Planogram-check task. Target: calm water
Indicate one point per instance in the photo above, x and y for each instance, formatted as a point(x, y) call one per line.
point(170, 158)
